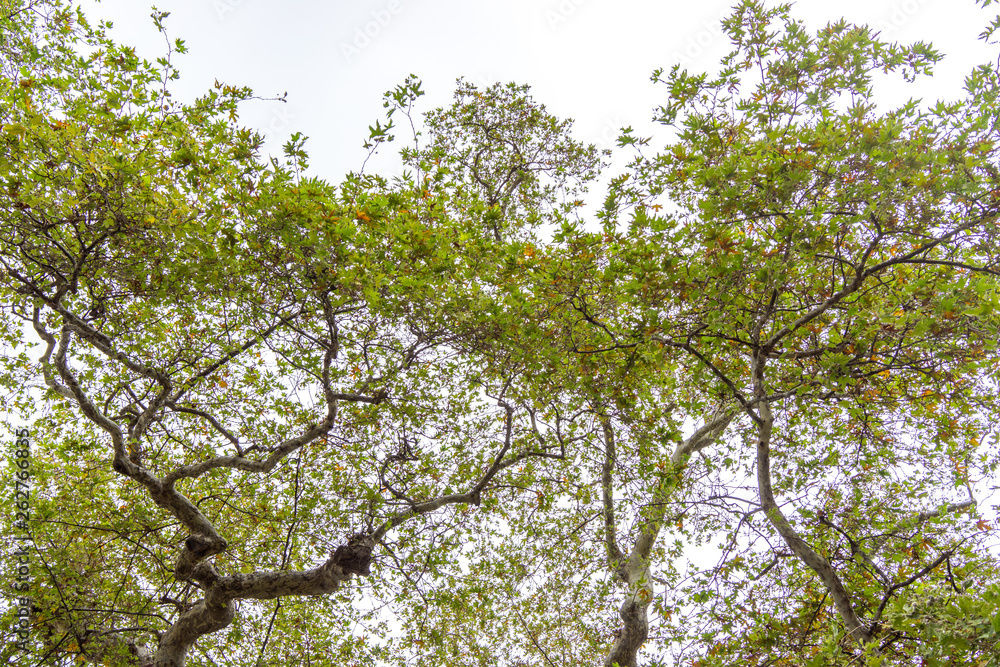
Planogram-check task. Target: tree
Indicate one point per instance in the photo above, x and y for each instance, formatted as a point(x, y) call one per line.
point(247, 371)
point(254, 386)
point(829, 273)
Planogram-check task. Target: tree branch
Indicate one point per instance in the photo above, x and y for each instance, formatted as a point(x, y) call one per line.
point(805, 553)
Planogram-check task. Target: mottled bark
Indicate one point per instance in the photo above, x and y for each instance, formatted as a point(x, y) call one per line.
point(633, 570)
point(633, 634)
point(215, 611)
point(129, 431)
point(614, 552)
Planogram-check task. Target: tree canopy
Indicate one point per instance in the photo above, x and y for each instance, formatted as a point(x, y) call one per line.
point(448, 418)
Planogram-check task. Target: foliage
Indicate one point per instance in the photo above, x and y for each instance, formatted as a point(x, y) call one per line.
point(441, 420)
point(829, 271)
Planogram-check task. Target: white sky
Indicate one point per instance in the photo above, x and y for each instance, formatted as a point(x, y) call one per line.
point(585, 59)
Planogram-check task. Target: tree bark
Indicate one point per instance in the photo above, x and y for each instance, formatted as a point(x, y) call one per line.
point(216, 610)
point(634, 571)
point(838, 593)
point(630, 638)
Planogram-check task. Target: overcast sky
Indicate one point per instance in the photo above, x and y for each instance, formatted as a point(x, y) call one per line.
point(586, 59)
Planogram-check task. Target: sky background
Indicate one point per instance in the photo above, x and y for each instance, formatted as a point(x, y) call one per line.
point(589, 60)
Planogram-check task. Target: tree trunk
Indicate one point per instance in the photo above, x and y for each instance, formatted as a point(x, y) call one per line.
point(633, 635)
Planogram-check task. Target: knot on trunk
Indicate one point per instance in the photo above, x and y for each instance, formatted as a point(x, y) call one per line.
point(197, 547)
point(356, 556)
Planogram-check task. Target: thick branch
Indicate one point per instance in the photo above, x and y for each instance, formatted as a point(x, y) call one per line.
point(240, 463)
point(88, 333)
point(802, 550)
point(216, 610)
point(45, 359)
point(632, 570)
point(635, 571)
point(615, 555)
